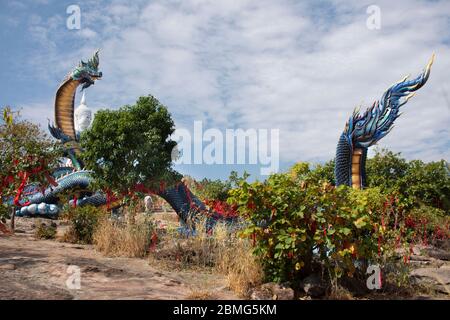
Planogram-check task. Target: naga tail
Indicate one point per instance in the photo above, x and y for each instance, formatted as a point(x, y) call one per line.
point(364, 130)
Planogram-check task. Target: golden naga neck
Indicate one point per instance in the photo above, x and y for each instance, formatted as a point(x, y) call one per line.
point(356, 168)
point(64, 107)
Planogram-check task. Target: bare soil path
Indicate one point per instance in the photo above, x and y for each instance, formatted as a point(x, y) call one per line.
point(38, 269)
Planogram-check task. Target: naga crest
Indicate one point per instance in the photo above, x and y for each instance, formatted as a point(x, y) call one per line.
point(87, 72)
point(364, 130)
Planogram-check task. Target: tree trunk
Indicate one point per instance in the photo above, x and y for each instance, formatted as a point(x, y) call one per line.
point(13, 216)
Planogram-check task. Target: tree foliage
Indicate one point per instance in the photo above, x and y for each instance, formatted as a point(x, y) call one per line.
point(301, 224)
point(320, 172)
point(415, 183)
point(208, 189)
point(130, 146)
point(27, 155)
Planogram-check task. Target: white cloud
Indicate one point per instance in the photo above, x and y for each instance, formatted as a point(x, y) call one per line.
point(298, 67)
point(87, 33)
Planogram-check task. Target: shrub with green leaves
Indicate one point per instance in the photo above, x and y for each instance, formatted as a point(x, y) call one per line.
point(430, 222)
point(299, 225)
point(83, 221)
point(44, 231)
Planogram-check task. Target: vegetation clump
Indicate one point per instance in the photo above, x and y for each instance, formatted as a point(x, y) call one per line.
point(300, 224)
point(125, 239)
point(44, 231)
point(83, 222)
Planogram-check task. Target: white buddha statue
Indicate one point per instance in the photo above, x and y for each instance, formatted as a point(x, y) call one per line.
point(83, 116)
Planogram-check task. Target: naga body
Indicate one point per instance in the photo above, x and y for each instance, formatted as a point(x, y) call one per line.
point(76, 181)
point(361, 132)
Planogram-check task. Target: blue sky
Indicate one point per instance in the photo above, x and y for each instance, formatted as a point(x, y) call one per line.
point(297, 66)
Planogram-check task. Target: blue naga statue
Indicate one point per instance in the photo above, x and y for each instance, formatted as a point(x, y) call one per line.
point(361, 132)
point(364, 130)
point(74, 179)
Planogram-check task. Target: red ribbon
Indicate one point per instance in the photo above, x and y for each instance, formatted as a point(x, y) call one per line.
point(24, 177)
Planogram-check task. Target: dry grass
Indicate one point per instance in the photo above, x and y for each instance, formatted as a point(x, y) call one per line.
point(220, 250)
point(200, 295)
point(241, 267)
point(339, 293)
point(118, 239)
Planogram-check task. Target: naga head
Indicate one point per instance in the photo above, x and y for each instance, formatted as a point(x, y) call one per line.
point(366, 129)
point(87, 72)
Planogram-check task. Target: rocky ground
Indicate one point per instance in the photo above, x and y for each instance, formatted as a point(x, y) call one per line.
point(39, 269)
point(432, 269)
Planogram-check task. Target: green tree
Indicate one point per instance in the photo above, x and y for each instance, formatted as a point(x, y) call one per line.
point(208, 189)
point(26, 156)
point(385, 170)
point(131, 146)
point(319, 173)
point(212, 189)
point(415, 182)
point(428, 183)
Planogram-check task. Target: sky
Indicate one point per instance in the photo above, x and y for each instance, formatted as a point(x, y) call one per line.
point(297, 66)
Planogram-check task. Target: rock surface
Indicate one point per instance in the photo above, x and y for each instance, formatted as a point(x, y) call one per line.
point(314, 286)
point(437, 278)
point(39, 269)
point(438, 253)
point(272, 291)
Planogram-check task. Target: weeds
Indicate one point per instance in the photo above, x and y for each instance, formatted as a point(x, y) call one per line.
point(83, 221)
point(44, 231)
point(219, 249)
point(115, 238)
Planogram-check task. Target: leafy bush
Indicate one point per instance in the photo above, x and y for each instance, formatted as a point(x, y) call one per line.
point(301, 226)
point(319, 173)
point(431, 223)
point(211, 189)
point(44, 231)
point(83, 221)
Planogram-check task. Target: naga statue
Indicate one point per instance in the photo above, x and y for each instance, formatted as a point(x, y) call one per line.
point(76, 181)
point(361, 132)
point(364, 130)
